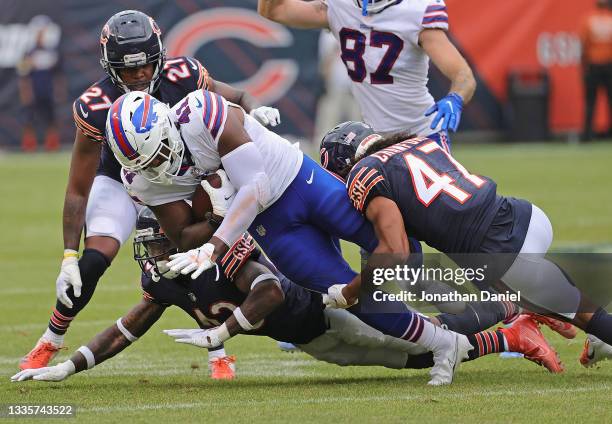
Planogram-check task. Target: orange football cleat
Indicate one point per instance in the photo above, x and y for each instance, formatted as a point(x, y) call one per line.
point(222, 368)
point(525, 337)
point(566, 329)
point(40, 356)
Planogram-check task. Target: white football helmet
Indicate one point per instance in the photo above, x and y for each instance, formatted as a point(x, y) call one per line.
point(375, 6)
point(144, 138)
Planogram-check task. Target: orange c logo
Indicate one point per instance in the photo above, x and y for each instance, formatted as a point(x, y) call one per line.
point(274, 77)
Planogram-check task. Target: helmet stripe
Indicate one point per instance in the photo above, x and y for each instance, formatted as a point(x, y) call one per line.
point(118, 132)
point(145, 113)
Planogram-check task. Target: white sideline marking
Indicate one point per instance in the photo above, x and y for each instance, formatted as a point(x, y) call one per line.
point(216, 404)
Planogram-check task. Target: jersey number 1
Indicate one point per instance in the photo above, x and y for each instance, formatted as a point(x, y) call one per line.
point(352, 43)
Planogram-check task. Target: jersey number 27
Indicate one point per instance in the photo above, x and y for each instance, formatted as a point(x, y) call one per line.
point(353, 46)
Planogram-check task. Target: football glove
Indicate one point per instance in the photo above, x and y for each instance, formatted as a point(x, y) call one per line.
point(449, 112)
point(266, 115)
point(70, 276)
point(194, 260)
point(221, 198)
point(58, 372)
point(209, 338)
point(335, 299)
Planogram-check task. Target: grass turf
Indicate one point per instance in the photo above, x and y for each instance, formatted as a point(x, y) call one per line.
point(158, 380)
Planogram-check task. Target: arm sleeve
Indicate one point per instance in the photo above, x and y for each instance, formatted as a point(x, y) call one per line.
point(252, 191)
point(364, 184)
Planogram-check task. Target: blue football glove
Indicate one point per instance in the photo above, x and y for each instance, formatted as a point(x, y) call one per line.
point(449, 111)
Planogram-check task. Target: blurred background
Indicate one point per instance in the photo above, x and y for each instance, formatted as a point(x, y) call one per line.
point(526, 55)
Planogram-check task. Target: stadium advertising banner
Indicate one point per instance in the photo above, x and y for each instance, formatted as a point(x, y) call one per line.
point(235, 44)
point(524, 35)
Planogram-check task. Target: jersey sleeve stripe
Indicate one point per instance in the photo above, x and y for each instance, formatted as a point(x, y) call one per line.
point(119, 134)
point(214, 113)
point(435, 8)
point(368, 188)
point(435, 19)
point(87, 129)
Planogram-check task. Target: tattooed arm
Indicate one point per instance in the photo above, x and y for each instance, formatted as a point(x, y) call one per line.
point(449, 61)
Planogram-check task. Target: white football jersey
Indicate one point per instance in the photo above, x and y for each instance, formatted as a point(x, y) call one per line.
point(387, 66)
point(201, 117)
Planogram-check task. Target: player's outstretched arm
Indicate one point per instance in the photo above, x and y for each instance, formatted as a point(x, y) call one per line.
point(104, 346)
point(295, 13)
point(264, 296)
point(450, 62)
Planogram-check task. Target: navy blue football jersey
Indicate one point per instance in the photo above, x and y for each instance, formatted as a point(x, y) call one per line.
point(441, 203)
point(211, 299)
point(181, 76)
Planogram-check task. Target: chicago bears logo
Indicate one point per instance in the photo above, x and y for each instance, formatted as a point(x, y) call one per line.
point(273, 78)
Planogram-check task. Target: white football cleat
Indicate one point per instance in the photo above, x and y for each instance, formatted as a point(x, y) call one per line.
point(448, 355)
point(594, 351)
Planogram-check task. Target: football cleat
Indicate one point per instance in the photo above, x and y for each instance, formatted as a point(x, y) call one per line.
point(447, 357)
point(222, 368)
point(288, 347)
point(525, 337)
point(594, 351)
point(40, 356)
point(566, 329)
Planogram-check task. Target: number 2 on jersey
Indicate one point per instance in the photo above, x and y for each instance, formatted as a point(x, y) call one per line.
point(428, 183)
point(353, 46)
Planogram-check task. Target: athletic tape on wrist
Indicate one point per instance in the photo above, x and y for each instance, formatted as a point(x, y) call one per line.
point(264, 277)
point(132, 338)
point(243, 322)
point(89, 356)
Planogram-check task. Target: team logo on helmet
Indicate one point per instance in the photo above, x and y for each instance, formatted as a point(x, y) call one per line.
point(144, 116)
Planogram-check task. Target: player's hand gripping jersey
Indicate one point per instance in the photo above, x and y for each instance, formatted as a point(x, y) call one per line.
point(440, 201)
point(387, 66)
point(181, 75)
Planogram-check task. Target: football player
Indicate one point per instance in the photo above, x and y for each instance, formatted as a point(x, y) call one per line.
point(293, 208)
point(406, 185)
point(386, 52)
point(248, 296)
point(133, 56)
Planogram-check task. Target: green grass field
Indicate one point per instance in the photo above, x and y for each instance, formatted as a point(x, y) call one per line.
point(157, 380)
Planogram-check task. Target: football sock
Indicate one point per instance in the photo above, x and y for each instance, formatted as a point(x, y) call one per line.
point(478, 316)
point(92, 266)
point(486, 342)
point(218, 352)
point(601, 326)
point(56, 339)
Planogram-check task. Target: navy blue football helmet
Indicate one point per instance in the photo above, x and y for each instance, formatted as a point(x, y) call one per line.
point(131, 39)
point(340, 145)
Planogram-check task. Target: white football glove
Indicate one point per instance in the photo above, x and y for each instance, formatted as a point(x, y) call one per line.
point(70, 275)
point(266, 115)
point(58, 372)
point(194, 260)
point(221, 198)
point(334, 298)
point(210, 338)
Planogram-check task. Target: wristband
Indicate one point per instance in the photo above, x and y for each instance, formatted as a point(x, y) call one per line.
point(70, 253)
point(89, 356)
point(243, 322)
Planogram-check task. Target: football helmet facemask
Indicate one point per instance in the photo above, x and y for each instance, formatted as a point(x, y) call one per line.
point(375, 6)
point(151, 246)
point(131, 39)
